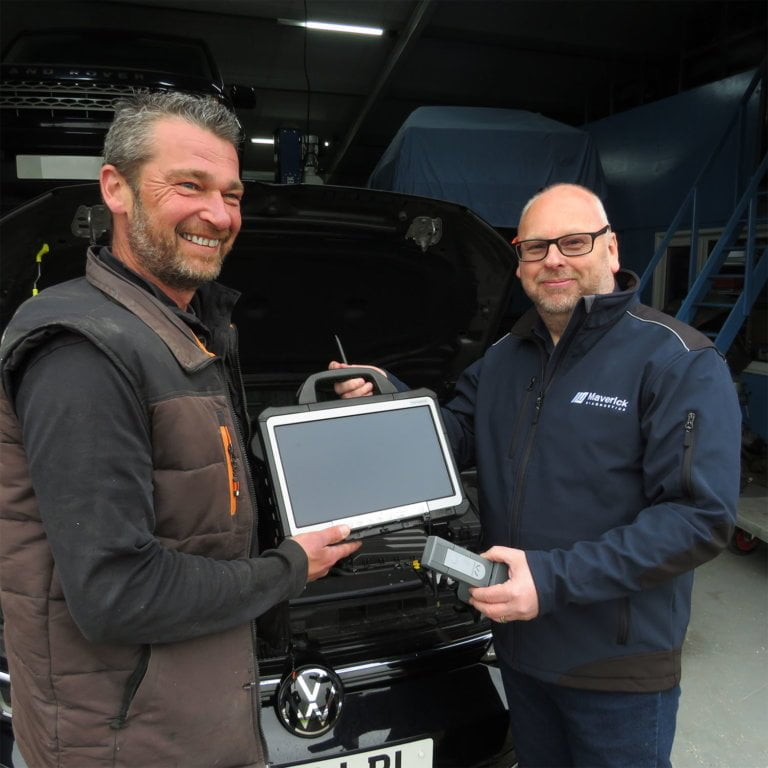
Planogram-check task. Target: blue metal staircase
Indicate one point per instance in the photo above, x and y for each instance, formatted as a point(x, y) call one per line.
point(724, 290)
point(747, 277)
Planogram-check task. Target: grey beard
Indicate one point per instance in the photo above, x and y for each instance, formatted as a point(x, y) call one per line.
point(159, 256)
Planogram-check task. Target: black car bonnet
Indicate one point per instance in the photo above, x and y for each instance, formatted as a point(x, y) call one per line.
point(413, 284)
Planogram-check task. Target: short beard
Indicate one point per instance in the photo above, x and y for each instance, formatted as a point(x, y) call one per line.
point(558, 306)
point(159, 256)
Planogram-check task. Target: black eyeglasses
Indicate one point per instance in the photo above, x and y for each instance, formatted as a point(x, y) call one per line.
point(579, 244)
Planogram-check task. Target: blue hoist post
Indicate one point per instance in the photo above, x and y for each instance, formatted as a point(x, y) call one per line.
point(288, 156)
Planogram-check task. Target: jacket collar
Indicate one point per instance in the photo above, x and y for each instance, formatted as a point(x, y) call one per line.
point(211, 304)
point(166, 320)
point(594, 311)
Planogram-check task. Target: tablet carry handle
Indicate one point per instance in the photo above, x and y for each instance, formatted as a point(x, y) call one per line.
point(308, 390)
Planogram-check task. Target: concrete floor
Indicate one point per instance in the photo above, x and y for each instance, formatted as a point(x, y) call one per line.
point(723, 718)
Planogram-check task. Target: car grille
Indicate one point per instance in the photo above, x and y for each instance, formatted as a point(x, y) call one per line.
point(79, 97)
point(373, 609)
point(449, 653)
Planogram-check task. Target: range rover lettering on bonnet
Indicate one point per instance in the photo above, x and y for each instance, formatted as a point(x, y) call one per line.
point(101, 74)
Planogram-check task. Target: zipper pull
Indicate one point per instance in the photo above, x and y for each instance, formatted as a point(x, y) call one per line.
point(539, 403)
point(235, 479)
point(530, 384)
point(688, 427)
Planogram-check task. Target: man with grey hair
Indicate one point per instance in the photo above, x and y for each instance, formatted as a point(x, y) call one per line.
point(606, 437)
point(130, 575)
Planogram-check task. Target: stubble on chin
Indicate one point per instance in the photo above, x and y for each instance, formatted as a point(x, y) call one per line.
point(196, 274)
point(556, 305)
point(161, 256)
point(553, 302)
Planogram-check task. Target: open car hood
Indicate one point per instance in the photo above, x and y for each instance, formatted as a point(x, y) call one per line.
point(416, 285)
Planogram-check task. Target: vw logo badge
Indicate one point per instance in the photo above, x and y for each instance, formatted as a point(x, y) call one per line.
point(309, 700)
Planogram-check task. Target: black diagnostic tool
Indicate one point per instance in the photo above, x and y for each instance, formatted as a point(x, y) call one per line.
point(468, 568)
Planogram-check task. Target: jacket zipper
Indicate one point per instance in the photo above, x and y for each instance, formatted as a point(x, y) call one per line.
point(545, 383)
point(252, 686)
point(232, 468)
point(515, 429)
point(514, 517)
point(623, 634)
point(688, 441)
point(131, 687)
point(238, 382)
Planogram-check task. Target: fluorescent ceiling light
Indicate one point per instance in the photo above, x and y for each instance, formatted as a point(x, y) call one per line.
point(262, 140)
point(329, 27)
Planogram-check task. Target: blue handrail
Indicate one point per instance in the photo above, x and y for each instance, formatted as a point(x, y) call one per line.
point(755, 272)
point(736, 121)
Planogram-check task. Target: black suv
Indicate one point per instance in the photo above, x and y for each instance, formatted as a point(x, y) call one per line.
point(414, 285)
point(55, 110)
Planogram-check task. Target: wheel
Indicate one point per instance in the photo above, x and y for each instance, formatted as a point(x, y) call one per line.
point(743, 543)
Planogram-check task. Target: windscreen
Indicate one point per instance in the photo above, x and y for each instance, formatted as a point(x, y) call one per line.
point(349, 465)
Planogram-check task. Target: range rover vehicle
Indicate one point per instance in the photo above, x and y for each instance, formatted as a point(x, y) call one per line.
point(55, 109)
point(414, 285)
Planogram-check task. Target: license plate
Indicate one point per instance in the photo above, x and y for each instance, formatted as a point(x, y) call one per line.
point(414, 754)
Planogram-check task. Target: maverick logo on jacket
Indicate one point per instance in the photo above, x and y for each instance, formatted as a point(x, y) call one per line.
point(600, 401)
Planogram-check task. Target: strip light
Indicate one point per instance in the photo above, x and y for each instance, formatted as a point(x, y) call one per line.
point(260, 140)
point(330, 27)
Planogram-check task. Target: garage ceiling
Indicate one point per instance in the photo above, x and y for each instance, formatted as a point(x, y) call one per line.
point(572, 61)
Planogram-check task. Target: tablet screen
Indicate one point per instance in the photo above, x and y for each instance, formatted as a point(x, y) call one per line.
point(367, 464)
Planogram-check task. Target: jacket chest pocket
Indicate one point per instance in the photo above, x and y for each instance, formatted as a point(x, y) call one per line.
point(199, 478)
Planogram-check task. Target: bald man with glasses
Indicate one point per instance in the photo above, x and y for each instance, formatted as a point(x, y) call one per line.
point(606, 437)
